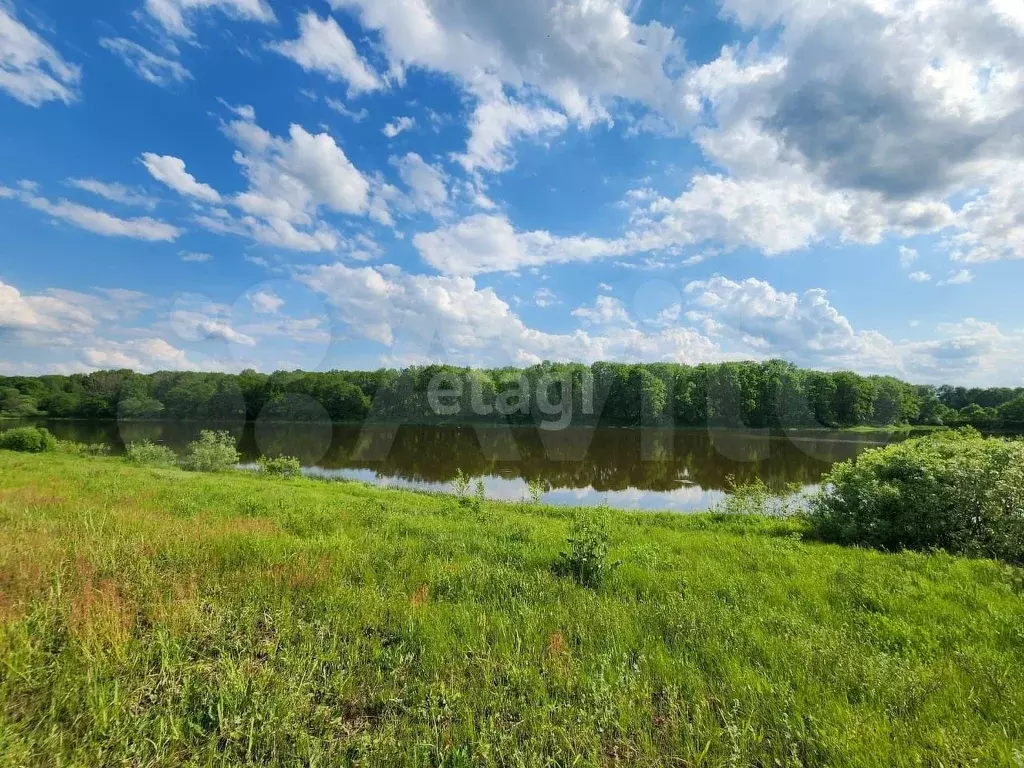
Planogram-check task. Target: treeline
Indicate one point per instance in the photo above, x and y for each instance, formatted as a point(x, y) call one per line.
point(772, 394)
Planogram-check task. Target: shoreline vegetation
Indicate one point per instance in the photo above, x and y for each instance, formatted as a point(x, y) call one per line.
point(153, 615)
point(773, 394)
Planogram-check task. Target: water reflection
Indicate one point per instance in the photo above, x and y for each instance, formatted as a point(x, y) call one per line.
point(629, 468)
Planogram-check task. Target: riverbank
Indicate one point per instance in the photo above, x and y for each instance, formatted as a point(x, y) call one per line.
point(156, 616)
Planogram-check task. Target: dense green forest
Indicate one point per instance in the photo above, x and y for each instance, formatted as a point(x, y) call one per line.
point(772, 394)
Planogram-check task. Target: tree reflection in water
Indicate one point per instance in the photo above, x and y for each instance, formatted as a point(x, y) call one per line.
point(633, 467)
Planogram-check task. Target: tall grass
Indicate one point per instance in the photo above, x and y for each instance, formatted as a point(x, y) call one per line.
point(159, 617)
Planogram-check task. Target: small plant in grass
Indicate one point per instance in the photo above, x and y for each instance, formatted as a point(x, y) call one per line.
point(146, 453)
point(28, 440)
point(282, 466)
point(460, 485)
point(479, 494)
point(536, 490)
point(587, 562)
point(212, 452)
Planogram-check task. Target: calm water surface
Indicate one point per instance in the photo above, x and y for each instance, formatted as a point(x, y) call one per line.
point(682, 470)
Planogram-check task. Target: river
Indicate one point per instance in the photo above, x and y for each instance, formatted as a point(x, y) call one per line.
point(681, 470)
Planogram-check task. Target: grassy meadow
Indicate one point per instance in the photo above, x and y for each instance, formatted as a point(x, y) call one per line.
point(158, 617)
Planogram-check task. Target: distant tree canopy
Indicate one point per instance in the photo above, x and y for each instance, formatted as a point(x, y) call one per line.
point(767, 394)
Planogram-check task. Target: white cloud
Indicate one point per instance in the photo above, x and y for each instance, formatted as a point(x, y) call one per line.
point(991, 225)
point(907, 256)
point(266, 301)
point(399, 125)
point(806, 328)
point(114, 192)
point(290, 180)
point(879, 113)
point(604, 287)
point(341, 109)
point(488, 243)
point(92, 220)
point(581, 54)
point(150, 66)
point(428, 190)
point(958, 277)
point(195, 257)
point(607, 310)
point(755, 320)
point(545, 298)
point(203, 324)
point(920, 277)
point(322, 46)
point(174, 15)
point(497, 123)
point(31, 70)
point(171, 171)
point(141, 355)
point(411, 314)
point(42, 312)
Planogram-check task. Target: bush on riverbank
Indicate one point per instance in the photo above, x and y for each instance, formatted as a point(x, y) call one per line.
point(146, 453)
point(28, 440)
point(956, 491)
point(212, 452)
point(282, 466)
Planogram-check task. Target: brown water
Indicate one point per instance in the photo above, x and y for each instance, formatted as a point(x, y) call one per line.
point(681, 470)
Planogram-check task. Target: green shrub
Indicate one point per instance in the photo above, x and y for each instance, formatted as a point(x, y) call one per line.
point(212, 452)
point(536, 489)
point(587, 562)
point(956, 491)
point(28, 440)
point(756, 498)
point(282, 466)
point(460, 485)
point(150, 454)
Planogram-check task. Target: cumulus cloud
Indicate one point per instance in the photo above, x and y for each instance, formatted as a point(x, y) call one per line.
point(607, 310)
point(290, 180)
point(398, 125)
point(488, 243)
point(920, 277)
point(411, 314)
point(174, 15)
point(958, 277)
point(266, 301)
point(580, 54)
point(497, 123)
point(31, 70)
point(151, 67)
point(171, 171)
point(880, 113)
point(206, 323)
point(907, 256)
point(803, 328)
point(428, 188)
point(545, 298)
point(41, 312)
point(322, 46)
point(756, 320)
point(142, 355)
point(93, 220)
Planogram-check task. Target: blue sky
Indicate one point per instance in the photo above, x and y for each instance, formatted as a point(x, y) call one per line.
point(221, 184)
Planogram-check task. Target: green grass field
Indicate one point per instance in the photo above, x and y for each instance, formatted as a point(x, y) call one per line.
point(156, 617)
